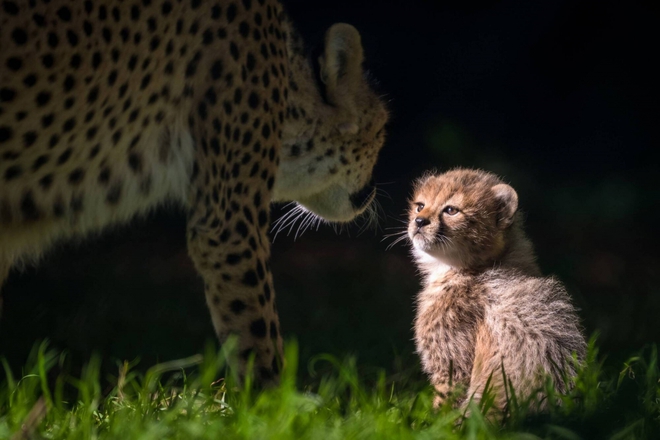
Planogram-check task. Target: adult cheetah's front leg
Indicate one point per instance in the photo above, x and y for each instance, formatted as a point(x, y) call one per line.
point(228, 242)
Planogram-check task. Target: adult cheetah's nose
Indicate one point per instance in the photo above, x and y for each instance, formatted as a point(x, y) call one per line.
point(422, 221)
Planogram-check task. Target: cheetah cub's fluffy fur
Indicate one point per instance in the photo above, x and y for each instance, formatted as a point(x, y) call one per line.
point(485, 307)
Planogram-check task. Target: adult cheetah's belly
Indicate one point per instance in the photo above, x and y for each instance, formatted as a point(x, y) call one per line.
point(87, 186)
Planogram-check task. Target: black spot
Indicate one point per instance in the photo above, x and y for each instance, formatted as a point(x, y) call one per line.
point(13, 172)
point(19, 36)
point(258, 328)
point(194, 28)
point(29, 138)
point(263, 218)
point(75, 61)
point(233, 49)
point(135, 12)
point(216, 11)
point(87, 27)
point(267, 292)
point(132, 62)
point(64, 13)
point(30, 80)
point(114, 193)
point(104, 175)
point(276, 95)
point(215, 146)
point(39, 20)
point(72, 37)
point(145, 81)
point(58, 208)
point(244, 29)
point(167, 8)
point(233, 259)
point(10, 7)
point(68, 125)
point(207, 37)
point(125, 34)
point(54, 139)
point(155, 42)
point(39, 162)
point(112, 78)
point(96, 60)
point(237, 306)
point(273, 330)
point(53, 39)
point(64, 156)
point(116, 136)
point(135, 162)
point(265, 131)
point(76, 176)
point(92, 95)
point(253, 100)
point(46, 181)
point(7, 95)
point(231, 12)
point(201, 111)
point(191, 68)
point(14, 63)
point(28, 207)
point(69, 82)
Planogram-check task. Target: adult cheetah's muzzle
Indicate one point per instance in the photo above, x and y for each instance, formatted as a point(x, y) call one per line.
point(363, 197)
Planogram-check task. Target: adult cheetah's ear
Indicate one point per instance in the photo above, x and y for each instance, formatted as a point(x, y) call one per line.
point(341, 64)
point(507, 200)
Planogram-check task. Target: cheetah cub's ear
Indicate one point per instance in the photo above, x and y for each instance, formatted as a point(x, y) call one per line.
point(341, 70)
point(507, 200)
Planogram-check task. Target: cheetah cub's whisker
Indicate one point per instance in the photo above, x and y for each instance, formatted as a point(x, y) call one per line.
point(485, 314)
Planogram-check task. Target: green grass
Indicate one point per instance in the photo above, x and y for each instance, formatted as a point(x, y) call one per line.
point(183, 399)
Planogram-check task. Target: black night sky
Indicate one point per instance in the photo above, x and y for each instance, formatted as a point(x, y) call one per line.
point(555, 96)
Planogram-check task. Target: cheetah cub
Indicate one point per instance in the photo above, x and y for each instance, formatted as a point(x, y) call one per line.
point(484, 307)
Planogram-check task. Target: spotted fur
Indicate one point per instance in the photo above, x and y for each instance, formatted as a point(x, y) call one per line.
point(485, 308)
point(109, 109)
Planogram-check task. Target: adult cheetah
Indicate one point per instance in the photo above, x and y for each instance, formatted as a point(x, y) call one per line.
point(111, 108)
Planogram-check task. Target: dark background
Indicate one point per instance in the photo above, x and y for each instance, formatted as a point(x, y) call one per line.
point(555, 96)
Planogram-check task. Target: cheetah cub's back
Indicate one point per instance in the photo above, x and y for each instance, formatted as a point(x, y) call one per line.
point(484, 305)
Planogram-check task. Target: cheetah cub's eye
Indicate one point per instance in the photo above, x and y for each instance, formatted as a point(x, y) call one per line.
point(450, 210)
point(420, 206)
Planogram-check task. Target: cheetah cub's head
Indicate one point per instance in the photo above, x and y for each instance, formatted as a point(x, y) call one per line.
point(460, 218)
point(333, 132)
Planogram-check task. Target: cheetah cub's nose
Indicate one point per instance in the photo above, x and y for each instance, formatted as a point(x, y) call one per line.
point(421, 222)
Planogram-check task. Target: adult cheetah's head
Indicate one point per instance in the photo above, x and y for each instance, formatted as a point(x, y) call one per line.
point(335, 129)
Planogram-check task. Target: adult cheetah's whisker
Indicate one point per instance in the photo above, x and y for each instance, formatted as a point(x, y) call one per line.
point(293, 222)
point(283, 221)
point(309, 217)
